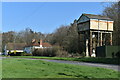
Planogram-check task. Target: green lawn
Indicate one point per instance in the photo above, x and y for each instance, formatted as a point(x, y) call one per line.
point(0, 69)
point(22, 68)
point(93, 60)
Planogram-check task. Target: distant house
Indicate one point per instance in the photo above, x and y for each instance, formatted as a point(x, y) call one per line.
point(36, 45)
point(14, 48)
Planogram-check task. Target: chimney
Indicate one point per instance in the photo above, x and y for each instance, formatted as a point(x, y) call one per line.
point(40, 43)
point(33, 40)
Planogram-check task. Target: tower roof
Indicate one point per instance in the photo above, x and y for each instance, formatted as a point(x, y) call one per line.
point(92, 16)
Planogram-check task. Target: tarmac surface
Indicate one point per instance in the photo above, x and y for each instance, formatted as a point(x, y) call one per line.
point(109, 66)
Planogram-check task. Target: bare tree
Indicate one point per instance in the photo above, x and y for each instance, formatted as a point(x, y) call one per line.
point(66, 37)
point(113, 12)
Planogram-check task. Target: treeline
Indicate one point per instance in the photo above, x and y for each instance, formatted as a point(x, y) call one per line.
point(24, 36)
point(66, 37)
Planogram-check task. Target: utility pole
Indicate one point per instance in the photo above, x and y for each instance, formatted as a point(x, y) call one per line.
point(98, 32)
point(14, 44)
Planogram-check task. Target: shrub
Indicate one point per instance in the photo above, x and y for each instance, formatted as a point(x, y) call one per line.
point(49, 52)
point(54, 51)
point(25, 54)
point(83, 54)
point(118, 54)
point(37, 52)
point(61, 53)
point(77, 55)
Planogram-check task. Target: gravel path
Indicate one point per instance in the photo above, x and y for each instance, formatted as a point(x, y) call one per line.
point(109, 66)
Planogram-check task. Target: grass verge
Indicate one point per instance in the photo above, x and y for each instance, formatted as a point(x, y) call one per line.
point(23, 68)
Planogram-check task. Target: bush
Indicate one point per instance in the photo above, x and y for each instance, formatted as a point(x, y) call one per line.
point(83, 54)
point(49, 52)
point(52, 52)
point(61, 53)
point(77, 55)
point(118, 54)
point(25, 54)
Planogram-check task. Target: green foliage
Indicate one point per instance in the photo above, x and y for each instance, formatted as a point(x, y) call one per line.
point(99, 60)
point(21, 68)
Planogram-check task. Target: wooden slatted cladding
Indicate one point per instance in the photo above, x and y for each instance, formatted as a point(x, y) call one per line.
point(94, 22)
point(84, 26)
point(97, 24)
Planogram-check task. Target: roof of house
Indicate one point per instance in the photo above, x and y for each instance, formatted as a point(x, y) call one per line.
point(92, 16)
point(15, 46)
point(45, 44)
point(35, 44)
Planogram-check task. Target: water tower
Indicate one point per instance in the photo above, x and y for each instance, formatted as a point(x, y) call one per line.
point(94, 31)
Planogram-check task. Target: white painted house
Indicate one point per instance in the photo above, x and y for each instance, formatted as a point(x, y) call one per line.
point(36, 45)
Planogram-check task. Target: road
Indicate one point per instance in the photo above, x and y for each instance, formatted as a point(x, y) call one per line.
point(109, 66)
point(2, 57)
